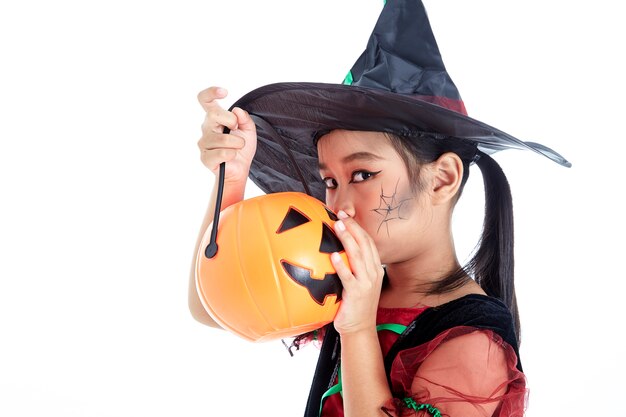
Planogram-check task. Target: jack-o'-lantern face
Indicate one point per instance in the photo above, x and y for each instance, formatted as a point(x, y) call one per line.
point(329, 243)
point(272, 276)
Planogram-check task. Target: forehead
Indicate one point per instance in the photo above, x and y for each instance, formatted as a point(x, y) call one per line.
point(339, 144)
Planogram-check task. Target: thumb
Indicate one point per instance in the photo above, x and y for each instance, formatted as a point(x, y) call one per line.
point(244, 121)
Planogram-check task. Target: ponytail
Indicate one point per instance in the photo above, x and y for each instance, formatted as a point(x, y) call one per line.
point(493, 261)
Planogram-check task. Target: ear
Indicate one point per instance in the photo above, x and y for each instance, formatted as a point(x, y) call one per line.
point(447, 173)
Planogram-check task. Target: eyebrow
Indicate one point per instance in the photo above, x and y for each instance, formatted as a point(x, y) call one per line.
point(357, 156)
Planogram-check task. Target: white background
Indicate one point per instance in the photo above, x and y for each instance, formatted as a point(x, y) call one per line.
point(102, 193)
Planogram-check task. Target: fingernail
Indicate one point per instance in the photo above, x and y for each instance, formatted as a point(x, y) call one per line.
point(342, 214)
point(335, 257)
point(340, 226)
point(221, 91)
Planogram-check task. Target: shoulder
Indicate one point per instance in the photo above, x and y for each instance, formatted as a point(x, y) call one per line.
point(473, 311)
point(468, 348)
point(467, 353)
point(472, 303)
point(467, 372)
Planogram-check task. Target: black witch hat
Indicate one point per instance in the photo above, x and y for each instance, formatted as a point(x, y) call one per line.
point(398, 85)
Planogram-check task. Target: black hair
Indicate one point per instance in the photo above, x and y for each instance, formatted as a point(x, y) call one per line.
point(492, 262)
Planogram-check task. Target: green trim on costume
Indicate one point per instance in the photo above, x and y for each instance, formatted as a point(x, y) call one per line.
point(394, 327)
point(332, 390)
point(337, 388)
point(410, 403)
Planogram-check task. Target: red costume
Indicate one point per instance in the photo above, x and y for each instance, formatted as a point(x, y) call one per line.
point(486, 329)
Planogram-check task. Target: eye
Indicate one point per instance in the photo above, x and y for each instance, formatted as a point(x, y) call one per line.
point(360, 176)
point(293, 219)
point(330, 183)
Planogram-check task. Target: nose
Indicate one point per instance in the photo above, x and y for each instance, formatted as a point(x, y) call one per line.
point(340, 199)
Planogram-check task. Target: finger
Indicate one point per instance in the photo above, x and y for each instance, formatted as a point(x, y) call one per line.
point(367, 248)
point(375, 256)
point(358, 234)
point(207, 97)
point(352, 248)
point(342, 269)
point(221, 141)
point(216, 118)
point(356, 231)
point(244, 121)
point(213, 159)
point(377, 263)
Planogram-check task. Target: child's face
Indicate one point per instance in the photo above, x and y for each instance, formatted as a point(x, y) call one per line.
point(367, 178)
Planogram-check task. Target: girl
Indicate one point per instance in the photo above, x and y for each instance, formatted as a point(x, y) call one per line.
point(416, 333)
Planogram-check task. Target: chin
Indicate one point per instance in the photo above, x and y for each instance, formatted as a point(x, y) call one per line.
point(385, 259)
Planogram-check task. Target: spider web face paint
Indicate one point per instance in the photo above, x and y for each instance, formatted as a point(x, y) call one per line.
point(389, 208)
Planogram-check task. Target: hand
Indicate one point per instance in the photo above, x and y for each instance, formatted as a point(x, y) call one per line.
point(362, 280)
point(236, 148)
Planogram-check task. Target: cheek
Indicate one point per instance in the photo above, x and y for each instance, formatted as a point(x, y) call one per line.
point(392, 217)
point(330, 201)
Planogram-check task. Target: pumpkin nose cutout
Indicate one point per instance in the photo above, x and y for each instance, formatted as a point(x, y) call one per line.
point(330, 242)
point(331, 215)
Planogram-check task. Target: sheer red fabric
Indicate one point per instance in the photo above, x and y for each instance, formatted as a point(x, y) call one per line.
point(462, 372)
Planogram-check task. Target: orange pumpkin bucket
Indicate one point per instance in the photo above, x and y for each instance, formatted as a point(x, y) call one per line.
point(271, 276)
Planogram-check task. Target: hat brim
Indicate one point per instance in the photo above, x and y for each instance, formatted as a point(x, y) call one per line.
point(289, 117)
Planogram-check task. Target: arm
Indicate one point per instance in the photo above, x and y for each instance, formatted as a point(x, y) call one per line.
point(365, 388)
point(462, 372)
point(232, 195)
point(236, 149)
point(471, 368)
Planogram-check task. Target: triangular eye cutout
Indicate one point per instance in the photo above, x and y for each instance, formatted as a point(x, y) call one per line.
point(293, 218)
point(331, 215)
point(330, 242)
